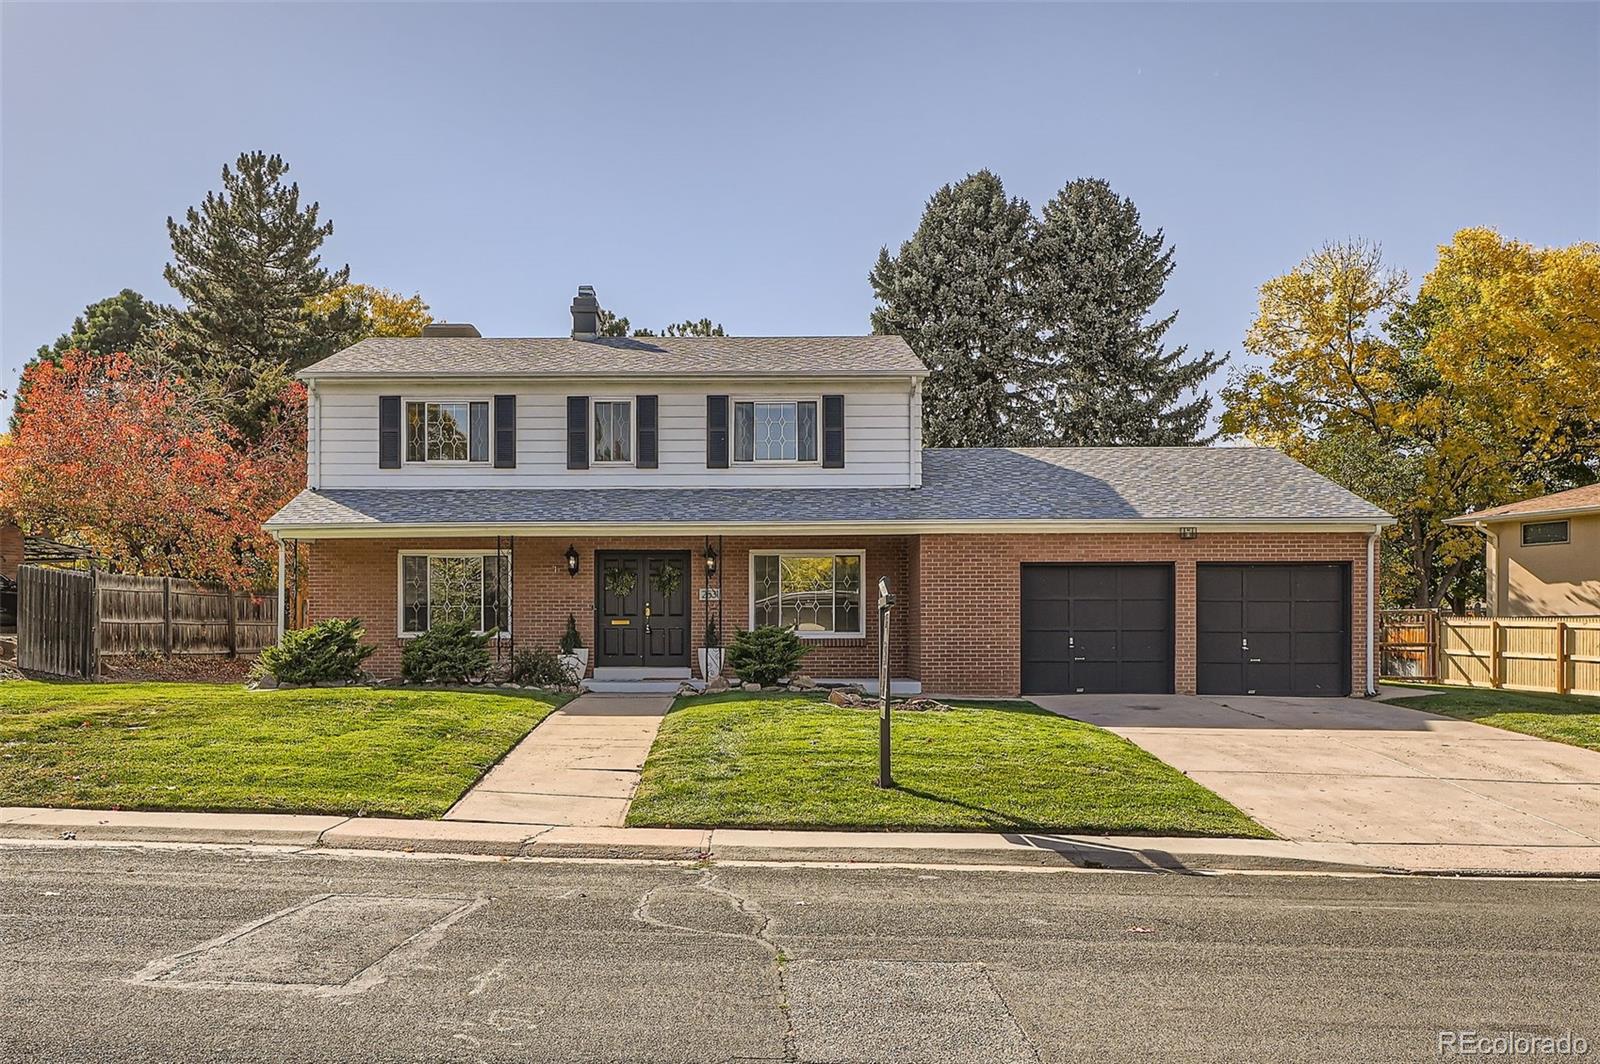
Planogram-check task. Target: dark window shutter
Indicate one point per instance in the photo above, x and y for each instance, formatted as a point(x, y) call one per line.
point(833, 432)
point(716, 432)
point(505, 432)
point(388, 432)
point(577, 432)
point(649, 450)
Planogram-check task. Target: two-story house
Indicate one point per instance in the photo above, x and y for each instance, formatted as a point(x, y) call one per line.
point(655, 487)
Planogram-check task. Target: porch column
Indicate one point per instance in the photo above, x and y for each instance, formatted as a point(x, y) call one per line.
point(280, 589)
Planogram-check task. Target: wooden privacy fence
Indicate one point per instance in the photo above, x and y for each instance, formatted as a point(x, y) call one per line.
point(1554, 654)
point(68, 619)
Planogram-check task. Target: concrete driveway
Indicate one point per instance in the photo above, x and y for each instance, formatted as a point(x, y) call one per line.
point(1353, 770)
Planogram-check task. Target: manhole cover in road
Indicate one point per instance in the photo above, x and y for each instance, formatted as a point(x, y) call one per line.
point(331, 944)
point(854, 1012)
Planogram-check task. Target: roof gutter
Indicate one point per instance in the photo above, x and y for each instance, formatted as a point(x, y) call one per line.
point(378, 530)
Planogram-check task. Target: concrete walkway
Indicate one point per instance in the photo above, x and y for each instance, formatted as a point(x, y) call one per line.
point(579, 767)
point(1345, 770)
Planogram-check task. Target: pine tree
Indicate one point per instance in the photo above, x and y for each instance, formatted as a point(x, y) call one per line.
point(125, 322)
point(1097, 276)
point(247, 263)
point(958, 292)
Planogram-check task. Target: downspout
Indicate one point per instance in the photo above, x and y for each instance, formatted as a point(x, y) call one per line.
point(314, 436)
point(1372, 611)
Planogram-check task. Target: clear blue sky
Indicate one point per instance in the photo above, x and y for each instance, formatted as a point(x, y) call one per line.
point(747, 162)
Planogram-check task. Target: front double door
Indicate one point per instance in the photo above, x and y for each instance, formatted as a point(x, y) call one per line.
point(642, 613)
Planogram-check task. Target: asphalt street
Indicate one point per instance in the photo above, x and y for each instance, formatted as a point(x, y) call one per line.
point(206, 955)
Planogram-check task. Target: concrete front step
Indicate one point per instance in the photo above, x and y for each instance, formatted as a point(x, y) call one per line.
point(632, 687)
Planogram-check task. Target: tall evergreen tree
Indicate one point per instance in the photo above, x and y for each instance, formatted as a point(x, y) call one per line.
point(958, 291)
point(613, 326)
point(1097, 276)
point(125, 322)
point(247, 262)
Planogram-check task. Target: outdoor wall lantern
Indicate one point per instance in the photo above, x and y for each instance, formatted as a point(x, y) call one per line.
point(572, 560)
point(711, 560)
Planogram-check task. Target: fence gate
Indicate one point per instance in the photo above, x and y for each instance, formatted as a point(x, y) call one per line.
point(55, 622)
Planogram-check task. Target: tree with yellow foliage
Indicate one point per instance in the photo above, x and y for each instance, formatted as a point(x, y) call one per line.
point(379, 312)
point(1482, 389)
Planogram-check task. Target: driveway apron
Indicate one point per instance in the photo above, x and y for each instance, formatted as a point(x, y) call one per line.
point(579, 767)
point(1352, 770)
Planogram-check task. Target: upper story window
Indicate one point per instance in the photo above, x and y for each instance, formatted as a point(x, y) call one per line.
point(1536, 533)
point(775, 431)
point(447, 431)
point(613, 430)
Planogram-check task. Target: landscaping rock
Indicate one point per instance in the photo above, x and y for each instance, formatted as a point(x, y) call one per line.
point(803, 682)
point(288, 686)
point(752, 687)
point(838, 697)
point(268, 682)
point(717, 685)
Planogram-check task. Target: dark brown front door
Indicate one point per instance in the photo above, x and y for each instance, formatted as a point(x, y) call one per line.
point(643, 615)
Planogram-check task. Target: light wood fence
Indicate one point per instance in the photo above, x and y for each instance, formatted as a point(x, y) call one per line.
point(1556, 654)
point(67, 620)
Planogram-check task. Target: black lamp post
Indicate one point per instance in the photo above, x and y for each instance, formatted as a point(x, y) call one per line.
point(572, 560)
point(885, 604)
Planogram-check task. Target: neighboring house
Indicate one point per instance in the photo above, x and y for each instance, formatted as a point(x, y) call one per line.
point(1542, 556)
point(648, 486)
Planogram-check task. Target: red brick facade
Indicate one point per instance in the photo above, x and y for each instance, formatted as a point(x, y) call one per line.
point(360, 578)
point(970, 590)
point(956, 630)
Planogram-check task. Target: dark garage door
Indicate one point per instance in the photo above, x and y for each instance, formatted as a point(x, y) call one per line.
point(1097, 629)
point(1273, 629)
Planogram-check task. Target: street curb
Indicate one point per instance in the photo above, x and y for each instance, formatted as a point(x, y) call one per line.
point(1023, 851)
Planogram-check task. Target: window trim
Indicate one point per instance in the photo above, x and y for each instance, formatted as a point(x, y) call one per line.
point(405, 436)
point(1566, 538)
point(733, 431)
point(633, 432)
point(400, 557)
point(810, 552)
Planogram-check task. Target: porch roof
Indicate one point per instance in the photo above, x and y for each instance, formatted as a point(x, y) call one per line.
point(968, 488)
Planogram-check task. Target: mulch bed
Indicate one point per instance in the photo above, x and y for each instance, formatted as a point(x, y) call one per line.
point(208, 669)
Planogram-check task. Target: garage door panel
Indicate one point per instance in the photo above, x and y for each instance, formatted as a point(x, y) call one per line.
point(1322, 583)
point(1295, 619)
point(1096, 628)
point(1268, 616)
point(1314, 648)
point(1094, 581)
point(1217, 582)
point(1145, 615)
point(1094, 613)
point(1219, 616)
point(1145, 646)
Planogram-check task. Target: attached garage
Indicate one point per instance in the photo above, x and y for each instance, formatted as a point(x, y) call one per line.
point(1273, 629)
point(1097, 629)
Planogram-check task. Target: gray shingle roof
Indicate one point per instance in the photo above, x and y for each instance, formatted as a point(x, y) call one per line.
point(429, 356)
point(1178, 484)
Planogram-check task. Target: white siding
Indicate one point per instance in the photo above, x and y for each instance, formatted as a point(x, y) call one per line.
point(882, 436)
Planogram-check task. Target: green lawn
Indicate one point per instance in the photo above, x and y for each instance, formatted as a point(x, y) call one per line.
point(797, 762)
point(1564, 718)
point(383, 752)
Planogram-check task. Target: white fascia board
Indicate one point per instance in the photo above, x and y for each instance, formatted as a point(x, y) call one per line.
point(373, 530)
point(361, 377)
point(1479, 520)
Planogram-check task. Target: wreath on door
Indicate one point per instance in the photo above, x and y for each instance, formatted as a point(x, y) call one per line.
point(667, 580)
point(621, 581)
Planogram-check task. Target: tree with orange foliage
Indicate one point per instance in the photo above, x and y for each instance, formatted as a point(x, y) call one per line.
point(119, 458)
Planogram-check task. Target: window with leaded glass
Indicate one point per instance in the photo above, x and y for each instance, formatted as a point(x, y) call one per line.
point(775, 431)
point(613, 430)
point(447, 431)
point(456, 586)
point(815, 594)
